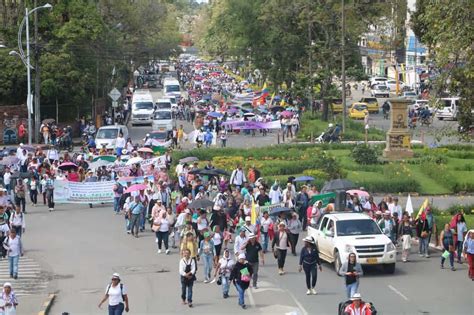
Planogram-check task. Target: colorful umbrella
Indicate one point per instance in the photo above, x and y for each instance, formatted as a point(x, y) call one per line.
point(214, 114)
point(287, 114)
point(304, 179)
point(359, 192)
point(136, 187)
point(145, 150)
point(67, 166)
point(134, 160)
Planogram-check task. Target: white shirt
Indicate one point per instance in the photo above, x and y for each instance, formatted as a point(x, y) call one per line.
point(120, 142)
point(7, 178)
point(239, 242)
point(4, 228)
point(217, 238)
point(395, 208)
point(17, 219)
point(275, 196)
point(165, 225)
point(115, 294)
point(182, 266)
point(266, 223)
point(226, 264)
point(14, 245)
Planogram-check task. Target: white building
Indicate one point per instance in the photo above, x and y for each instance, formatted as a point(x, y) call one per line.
point(415, 51)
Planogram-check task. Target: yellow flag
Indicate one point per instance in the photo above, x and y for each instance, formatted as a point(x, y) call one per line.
point(422, 208)
point(283, 103)
point(253, 213)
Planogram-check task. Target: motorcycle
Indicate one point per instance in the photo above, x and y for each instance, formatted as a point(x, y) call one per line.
point(65, 143)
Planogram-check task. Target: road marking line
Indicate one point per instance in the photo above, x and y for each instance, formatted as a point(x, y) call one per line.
point(300, 306)
point(398, 292)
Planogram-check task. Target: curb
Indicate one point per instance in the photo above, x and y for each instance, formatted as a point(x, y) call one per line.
point(47, 304)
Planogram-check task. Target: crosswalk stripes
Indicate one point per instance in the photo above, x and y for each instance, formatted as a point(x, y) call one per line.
point(31, 279)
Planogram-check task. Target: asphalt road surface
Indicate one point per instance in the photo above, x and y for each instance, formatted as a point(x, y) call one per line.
point(441, 131)
point(82, 247)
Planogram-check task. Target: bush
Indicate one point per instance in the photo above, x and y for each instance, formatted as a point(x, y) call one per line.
point(465, 167)
point(389, 186)
point(431, 158)
point(319, 174)
point(364, 154)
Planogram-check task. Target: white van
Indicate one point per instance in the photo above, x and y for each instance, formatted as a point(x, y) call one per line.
point(171, 87)
point(108, 135)
point(163, 103)
point(447, 108)
point(163, 120)
point(142, 107)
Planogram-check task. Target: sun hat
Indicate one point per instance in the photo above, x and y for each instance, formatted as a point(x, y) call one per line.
point(241, 229)
point(116, 276)
point(282, 223)
point(7, 284)
point(207, 234)
point(241, 256)
point(309, 239)
point(247, 218)
point(356, 296)
point(387, 212)
point(251, 235)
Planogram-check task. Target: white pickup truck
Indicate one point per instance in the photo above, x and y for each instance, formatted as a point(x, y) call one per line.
point(340, 233)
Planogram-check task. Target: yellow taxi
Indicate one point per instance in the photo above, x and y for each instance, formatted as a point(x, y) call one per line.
point(336, 106)
point(372, 104)
point(358, 110)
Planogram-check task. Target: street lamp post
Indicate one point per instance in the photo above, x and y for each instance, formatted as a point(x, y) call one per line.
point(26, 60)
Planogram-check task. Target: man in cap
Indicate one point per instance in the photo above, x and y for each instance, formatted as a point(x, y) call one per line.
point(117, 295)
point(357, 307)
point(249, 227)
point(240, 240)
point(253, 250)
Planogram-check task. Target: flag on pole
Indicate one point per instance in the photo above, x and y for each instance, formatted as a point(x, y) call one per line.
point(422, 210)
point(253, 213)
point(409, 206)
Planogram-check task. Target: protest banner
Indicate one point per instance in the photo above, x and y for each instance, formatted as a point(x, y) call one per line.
point(270, 207)
point(243, 124)
point(83, 192)
point(135, 180)
point(323, 197)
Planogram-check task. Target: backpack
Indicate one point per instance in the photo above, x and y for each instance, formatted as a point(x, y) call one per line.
point(121, 290)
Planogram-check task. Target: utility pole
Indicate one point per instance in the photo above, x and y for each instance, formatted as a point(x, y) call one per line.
point(343, 66)
point(37, 81)
point(310, 68)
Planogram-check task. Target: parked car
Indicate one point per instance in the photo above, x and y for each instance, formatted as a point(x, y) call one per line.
point(392, 85)
point(340, 233)
point(447, 108)
point(380, 90)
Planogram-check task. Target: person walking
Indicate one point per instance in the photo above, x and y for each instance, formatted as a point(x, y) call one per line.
point(9, 297)
point(265, 225)
point(469, 253)
point(280, 247)
point(422, 232)
point(34, 191)
point(351, 270)
point(207, 252)
point(14, 247)
point(405, 233)
point(241, 275)
point(116, 293)
point(17, 221)
point(253, 250)
point(461, 230)
point(187, 271)
point(20, 194)
point(294, 229)
point(49, 186)
point(224, 268)
point(309, 258)
point(447, 241)
point(358, 307)
point(136, 208)
point(161, 227)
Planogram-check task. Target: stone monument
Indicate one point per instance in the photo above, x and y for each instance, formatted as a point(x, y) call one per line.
point(398, 137)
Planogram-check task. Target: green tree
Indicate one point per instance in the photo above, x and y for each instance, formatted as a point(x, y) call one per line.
point(447, 28)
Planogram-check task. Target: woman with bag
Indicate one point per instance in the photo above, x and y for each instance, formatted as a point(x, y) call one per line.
point(280, 247)
point(9, 297)
point(224, 268)
point(187, 271)
point(406, 233)
point(240, 276)
point(446, 237)
point(161, 227)
point(351, 270)
point(309, 258)
point(116, 293)
point(422, 232)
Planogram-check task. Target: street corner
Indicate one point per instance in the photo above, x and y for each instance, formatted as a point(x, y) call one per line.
point(48, 302)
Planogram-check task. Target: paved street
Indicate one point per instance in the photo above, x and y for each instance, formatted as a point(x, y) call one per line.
point(421, 133)
point(85, 246)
